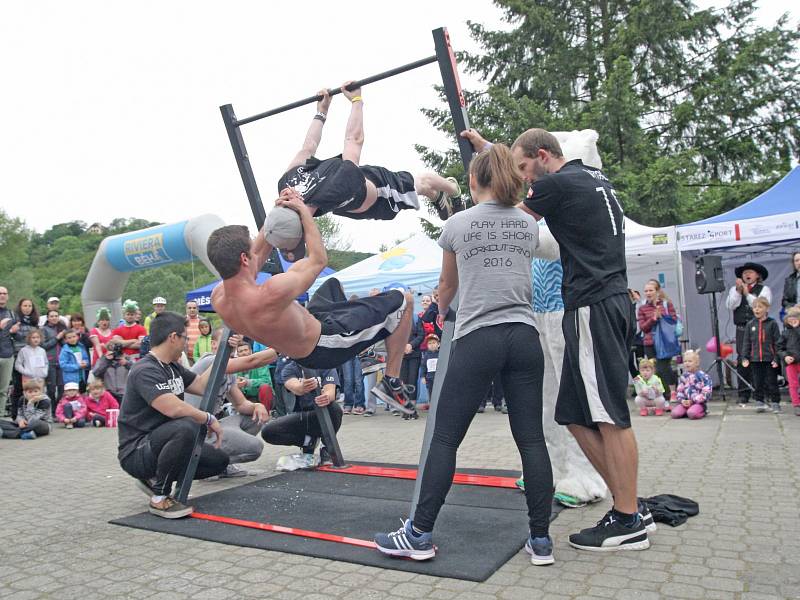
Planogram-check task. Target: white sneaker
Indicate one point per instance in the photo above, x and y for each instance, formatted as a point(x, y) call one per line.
point(234, 471)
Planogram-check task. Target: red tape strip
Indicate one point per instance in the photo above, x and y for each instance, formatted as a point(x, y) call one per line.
point(287, 530)
point(397, 473)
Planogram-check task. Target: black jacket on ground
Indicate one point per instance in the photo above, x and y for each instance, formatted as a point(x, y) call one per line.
point(789, 344)
point(761, 340)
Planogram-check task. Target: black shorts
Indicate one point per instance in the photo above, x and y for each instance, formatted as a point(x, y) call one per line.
point(594, 378)
point(396, 192)
point(350, 326)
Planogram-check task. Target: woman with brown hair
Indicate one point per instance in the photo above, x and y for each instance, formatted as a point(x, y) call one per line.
point(656, 305)
point(487, 253)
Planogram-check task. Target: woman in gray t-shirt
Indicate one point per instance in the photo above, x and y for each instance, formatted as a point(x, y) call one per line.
point(487, 257)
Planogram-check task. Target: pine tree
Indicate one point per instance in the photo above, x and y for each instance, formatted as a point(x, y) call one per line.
point(696, 109)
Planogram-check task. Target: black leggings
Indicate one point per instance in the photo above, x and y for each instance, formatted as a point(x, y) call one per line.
point(164, 454)
point(512, 350)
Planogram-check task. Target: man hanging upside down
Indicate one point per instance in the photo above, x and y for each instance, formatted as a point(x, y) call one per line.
point(332, 330)
point(341, 186)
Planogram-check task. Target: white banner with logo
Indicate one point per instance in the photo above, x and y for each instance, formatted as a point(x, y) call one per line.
point(737, 233)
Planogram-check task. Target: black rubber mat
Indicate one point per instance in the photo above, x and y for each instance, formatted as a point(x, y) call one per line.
point(479, 529)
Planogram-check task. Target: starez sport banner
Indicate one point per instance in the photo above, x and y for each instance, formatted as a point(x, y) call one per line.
point(760, 230)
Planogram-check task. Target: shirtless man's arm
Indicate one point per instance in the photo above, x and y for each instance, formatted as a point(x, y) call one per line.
point(314, 133)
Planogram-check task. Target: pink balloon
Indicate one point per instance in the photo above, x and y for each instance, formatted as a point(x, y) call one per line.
point(711, 345)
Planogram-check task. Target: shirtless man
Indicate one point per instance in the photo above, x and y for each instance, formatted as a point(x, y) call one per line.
point(344, 187)
point(332, 331)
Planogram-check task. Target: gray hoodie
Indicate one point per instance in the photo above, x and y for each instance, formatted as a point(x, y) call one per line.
point(32, 362)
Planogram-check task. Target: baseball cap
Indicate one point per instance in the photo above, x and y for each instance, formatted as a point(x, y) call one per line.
point(431, 336)
point(53, 299)
point(159, 300)
point(71, 385)
point(284, 231)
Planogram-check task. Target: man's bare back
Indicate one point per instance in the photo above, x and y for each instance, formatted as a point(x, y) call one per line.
point(280, 323)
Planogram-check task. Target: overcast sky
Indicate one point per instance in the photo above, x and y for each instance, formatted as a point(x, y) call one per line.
point(110, 109)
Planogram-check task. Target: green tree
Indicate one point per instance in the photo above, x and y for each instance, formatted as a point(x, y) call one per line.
point(14, 245)
point(696, 109)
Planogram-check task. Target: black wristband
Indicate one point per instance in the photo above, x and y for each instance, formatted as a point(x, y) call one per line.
point(320, 117)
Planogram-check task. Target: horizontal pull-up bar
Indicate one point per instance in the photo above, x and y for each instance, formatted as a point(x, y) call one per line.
point(333, 92)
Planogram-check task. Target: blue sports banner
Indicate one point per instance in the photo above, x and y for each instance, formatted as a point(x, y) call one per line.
point(154, 247)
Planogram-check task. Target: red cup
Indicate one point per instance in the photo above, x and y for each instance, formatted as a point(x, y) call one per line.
point(113, 415)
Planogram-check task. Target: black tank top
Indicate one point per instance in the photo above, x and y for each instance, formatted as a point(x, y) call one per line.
point(327, 184)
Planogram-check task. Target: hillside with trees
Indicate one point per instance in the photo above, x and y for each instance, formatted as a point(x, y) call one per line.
point(55, 262)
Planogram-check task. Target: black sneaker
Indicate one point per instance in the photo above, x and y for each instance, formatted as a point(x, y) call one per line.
point(413, 416)
point(394, 397)
point(609, 535)
point(647, 517)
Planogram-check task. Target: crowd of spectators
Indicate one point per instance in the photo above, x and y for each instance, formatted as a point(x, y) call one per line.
point(49, 358)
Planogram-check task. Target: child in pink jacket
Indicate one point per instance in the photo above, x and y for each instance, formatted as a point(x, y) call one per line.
point(98, 402)
point(71, 410)
point(694, 389)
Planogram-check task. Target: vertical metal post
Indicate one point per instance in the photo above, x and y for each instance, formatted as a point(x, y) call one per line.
point(715, 324)
point(458, 110)
point(207, 404)
point(453, 92)
point(243, 162)
point(326, 426)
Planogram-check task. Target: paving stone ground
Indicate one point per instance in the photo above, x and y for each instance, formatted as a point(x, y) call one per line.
point(59, 492)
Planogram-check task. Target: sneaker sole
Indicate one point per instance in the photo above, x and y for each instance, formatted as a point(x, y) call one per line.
point(642, 545)
point(171, 515)
point(391, 401)
point(412, 554)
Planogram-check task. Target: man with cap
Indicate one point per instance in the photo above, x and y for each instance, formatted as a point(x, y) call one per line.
point(749, 285)
point(332, 329)
point(159, 306)
point(53, 303)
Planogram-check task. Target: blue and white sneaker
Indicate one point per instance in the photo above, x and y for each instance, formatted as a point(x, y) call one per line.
point(405, 543)
point(541, 550)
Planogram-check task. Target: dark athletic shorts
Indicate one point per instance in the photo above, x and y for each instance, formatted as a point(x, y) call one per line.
point(350, 326)
point(594, 378)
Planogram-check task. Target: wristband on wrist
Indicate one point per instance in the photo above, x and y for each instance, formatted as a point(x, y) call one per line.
point(355, 99)
point(210, 419)
point(321, 116)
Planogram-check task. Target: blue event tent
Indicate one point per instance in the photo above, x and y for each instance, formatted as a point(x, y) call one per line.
point(202, 295)
point(770, 217)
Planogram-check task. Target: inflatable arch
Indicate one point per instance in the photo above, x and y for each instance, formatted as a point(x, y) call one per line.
point(119, 255)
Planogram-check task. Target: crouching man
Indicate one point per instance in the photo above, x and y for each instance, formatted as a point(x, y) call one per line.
point(157, 428)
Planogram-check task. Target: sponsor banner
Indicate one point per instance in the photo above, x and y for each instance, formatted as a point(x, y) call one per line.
point(748, 231)
point(147, 248)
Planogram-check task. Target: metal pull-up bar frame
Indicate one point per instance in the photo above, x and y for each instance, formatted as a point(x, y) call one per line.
point(333, 91)
point(458, 109)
